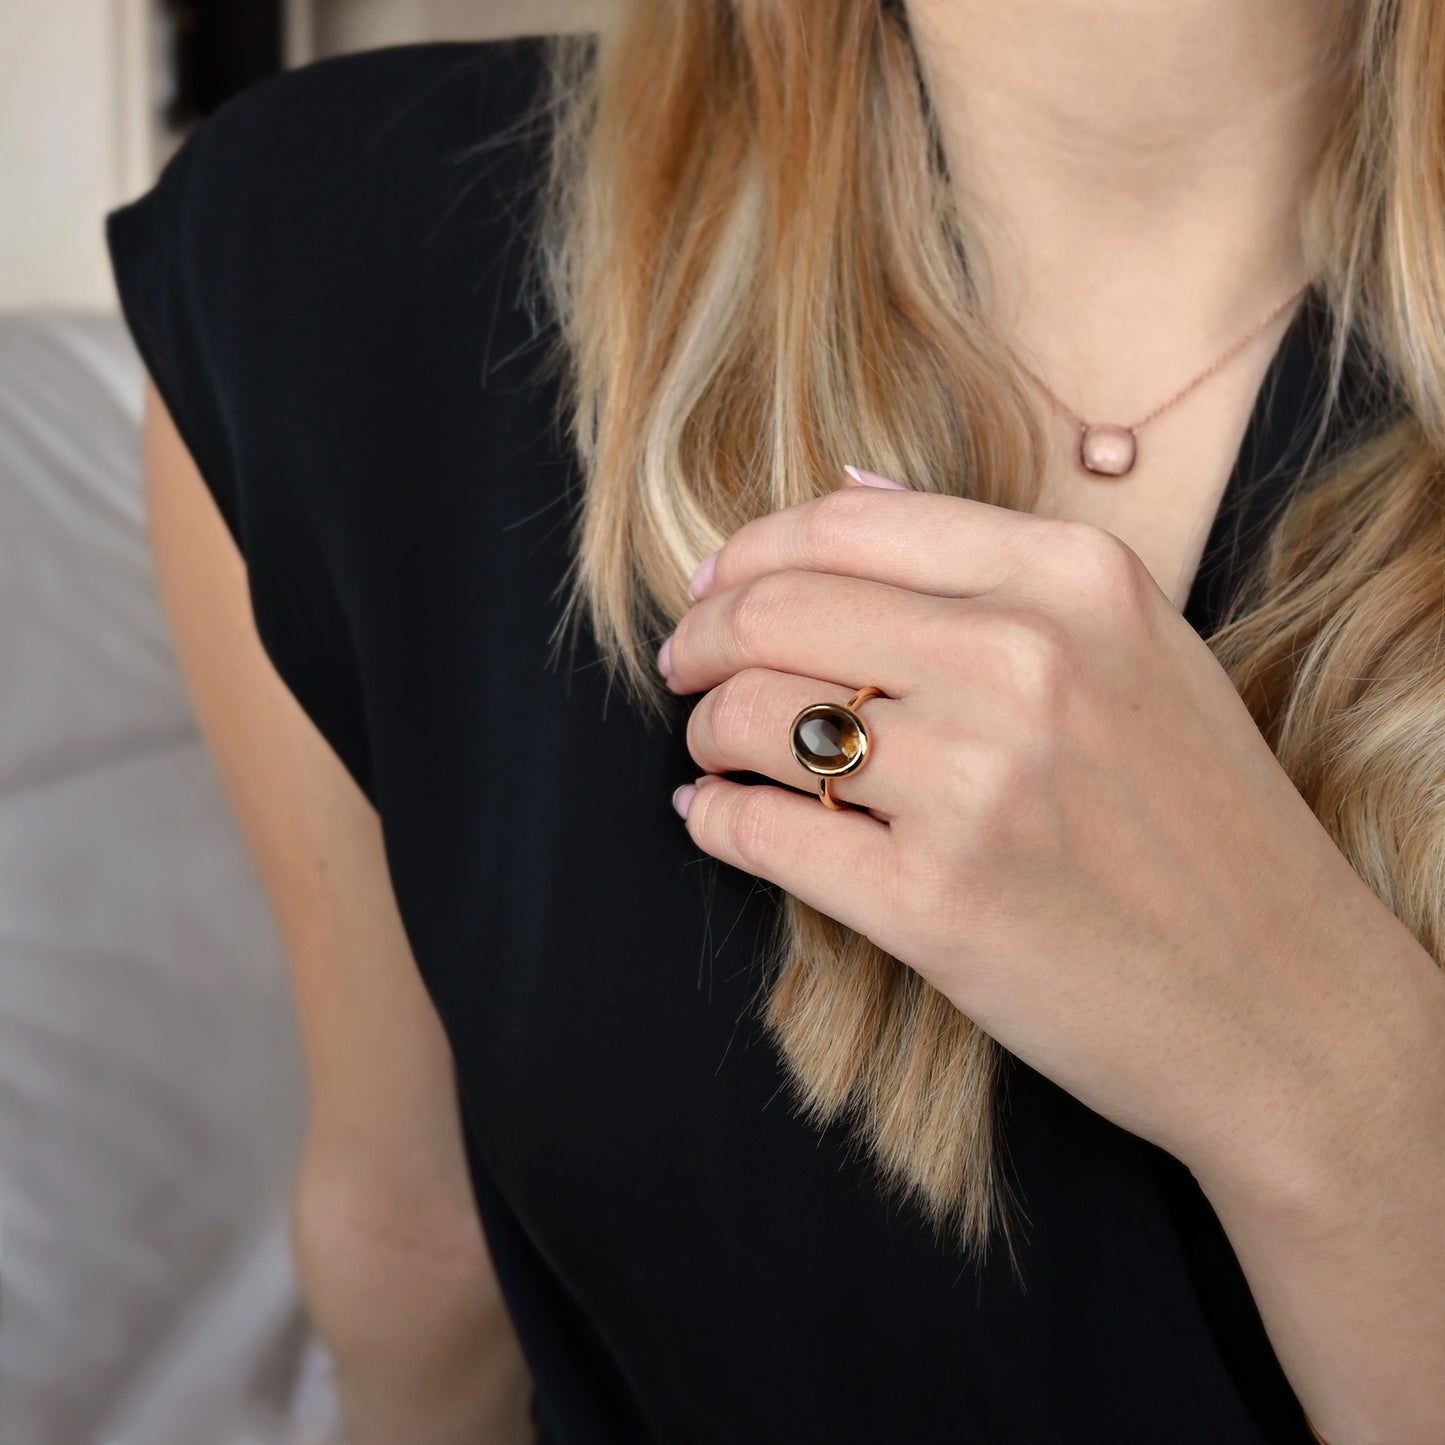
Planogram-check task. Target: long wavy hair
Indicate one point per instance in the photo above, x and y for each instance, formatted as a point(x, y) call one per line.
point(730, 336)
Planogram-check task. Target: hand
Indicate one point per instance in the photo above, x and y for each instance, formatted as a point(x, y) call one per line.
point(1068, 822)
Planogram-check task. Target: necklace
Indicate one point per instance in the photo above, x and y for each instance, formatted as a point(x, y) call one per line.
point(1106, 450)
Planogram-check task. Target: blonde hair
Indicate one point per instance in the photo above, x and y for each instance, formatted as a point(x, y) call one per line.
point(729, 337)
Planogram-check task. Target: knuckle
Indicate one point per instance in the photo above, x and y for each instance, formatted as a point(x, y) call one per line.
point(757, 610)
point(999, 780)
point(682, 634)
point(1042, 662)
point(956, 637)
point(748, 827)
point(995, 788)
point(831, 519)
point(1048, 539)
point(1033, 653)
point(1018, 805)
point(737, 549)
point(731, 712)
point(1100, 567)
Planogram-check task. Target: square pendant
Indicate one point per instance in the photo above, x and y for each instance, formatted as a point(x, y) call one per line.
point(1107, 451)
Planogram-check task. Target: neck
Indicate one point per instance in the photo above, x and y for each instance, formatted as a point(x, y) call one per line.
point(1137, 160)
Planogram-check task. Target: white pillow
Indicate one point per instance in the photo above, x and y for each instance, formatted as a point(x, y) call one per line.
point(151, 1090)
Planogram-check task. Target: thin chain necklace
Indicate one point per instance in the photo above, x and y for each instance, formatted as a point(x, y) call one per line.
point(1106, 450)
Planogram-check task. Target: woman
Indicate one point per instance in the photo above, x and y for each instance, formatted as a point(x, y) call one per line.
point(1039, 1041)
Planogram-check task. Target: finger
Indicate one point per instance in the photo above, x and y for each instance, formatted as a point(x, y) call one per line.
point(924, 541)
point(815, 624)
point(835, 861)
point(745, 724)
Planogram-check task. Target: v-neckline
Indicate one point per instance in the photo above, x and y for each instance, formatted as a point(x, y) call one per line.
point(1276, 439)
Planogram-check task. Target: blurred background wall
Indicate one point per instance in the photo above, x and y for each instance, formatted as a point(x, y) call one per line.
point(85, 86)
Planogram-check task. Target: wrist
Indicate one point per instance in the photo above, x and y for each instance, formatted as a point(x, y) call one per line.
point(1366, 1090)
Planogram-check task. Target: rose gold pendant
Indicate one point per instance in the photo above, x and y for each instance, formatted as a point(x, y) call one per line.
point(1110, 451)
point(1107, 451)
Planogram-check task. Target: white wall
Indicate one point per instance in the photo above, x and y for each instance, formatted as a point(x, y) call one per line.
point(79, 109)
point(357, 24)
point(76, 77)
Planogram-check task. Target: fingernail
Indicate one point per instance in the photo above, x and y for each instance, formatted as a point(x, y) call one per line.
point(682, 798)
point(701, 583)
point(664, 657)
point(872, 479)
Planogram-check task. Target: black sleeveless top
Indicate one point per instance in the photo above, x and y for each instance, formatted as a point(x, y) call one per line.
point(327, 285)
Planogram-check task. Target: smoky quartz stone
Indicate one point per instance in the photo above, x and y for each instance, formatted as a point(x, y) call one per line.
point(827, 738)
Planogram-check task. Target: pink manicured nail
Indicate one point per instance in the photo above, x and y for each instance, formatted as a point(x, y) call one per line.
point(682, 798)
point(872, 479)
point(664, 657)
point(701, 583)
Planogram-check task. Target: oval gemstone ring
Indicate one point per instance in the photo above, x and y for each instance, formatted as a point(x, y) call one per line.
point(831, 739)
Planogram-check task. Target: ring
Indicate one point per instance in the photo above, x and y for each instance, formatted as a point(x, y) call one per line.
point(830, 739)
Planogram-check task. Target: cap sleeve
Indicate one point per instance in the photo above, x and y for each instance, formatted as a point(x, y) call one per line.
point(150, 242)
point(196, 262)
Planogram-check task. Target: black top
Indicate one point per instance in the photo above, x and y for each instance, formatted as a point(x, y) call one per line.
point(326, 285)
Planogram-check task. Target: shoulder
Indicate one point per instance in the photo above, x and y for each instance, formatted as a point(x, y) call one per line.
point(333, 129)
point(310, 181)
point(334, 242)
point(374, 87)
point(327, 285)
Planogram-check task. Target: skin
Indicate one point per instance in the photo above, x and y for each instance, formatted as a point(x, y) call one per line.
point(389, 1250)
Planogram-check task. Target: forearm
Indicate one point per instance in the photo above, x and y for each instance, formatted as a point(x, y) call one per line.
point(424, 1348)
point(1349, 1271)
